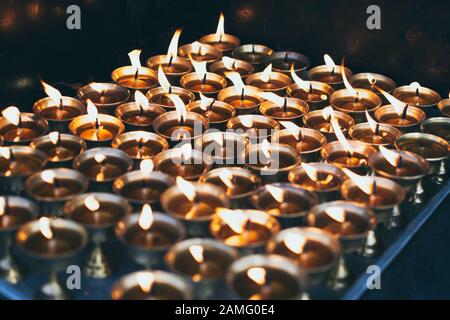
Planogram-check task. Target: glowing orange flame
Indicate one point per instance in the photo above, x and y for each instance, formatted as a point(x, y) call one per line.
point(92, 111)
point(398, 105)
point(205, 102)
point(328, 113)
point(258, 275)
point(295, 242)
point(372, 123)
point(99, 87)
point(140, 99)
point(226, 176)
point(180, 108)
point(329, 62)
point(146, 217)
point(391, 156)
point(12, 114)
point(173, 46)
point(415, 85)
point(272, 97)
point(276, 193)
point(91, 203)
point(135, 58)
point(200, 68)
point(371, 78)
point(235, 219)
point(48, 176)
point(302, 84)
point(162, 79)
point(45, 228)
point(340, 136)
point(366, 184)
point(246, 121)
point(5, 152)
point(197, 253)
point(336, 213)
point(145, 280)
point(228, 62)
point(347, 84)
point(266, 148)
point(236, 79)
point(146, 167)
point(266, 74)
point(99, 158)
point(310, 171)
point(54, 137)
point(53, 93)
point(292, 128)
point(220, 27)
point(187, 188)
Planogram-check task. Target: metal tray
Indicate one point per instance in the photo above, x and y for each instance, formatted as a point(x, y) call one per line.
point(392, 241)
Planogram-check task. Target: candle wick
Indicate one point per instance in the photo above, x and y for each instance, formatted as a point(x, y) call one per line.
point(204, 80)
point(286, 58)
point(141, 110)
point(253, 48)
point(136, 75)
point(400, 162)
point(357, 97)
point(170, 89)
point(170, 61)
point(233, 66)
point(242, 94)
point(285, 105)
point(373, 194)
point(61, 104)
point(97, 123)
point(377, 129)
point(220, 38)
point(417, 92)
point(332, 72)
point(6, 208)
point(310, 88)
point(211, 105)
point(405, 111)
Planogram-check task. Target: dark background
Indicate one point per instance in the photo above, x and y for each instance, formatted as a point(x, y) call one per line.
point(413, 44)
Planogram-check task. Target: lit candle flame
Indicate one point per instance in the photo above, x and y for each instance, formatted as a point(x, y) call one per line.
point(205, 102)
point(180, 107)
point(198, 48)
point(295, 242)
point(366, 184)
point(328, 113)
point(197, 253)
point(98, 87)
point(54, 137)
point(2, 206)
point(340, 136)
point(228, 62)
point(173, 46)
point(92, 203)
point(5, 152)
point(200, 69)
point(293, 129)
point(146, 167)
point(187, 188)
point(246, 120)
point(48, 176)
point(302, 84)
point(276, 193)
point(236, 79)
point(162, 79)
point(371, 78)
point(336, 213)
point(258, 275)
point(53, 93)
point(267, 74)
point(329, 62)
point(45, 228)
point(135, 59)
point(92, 111)
point(99, 158)
point(12, 114)
point(220, 27)
point(398, 105)
point(415, 85)
point(185, 151)
point(272, 97)
point(372, 123)
point(391, 156)
point(226, 176)
point(310, 171)
point(145, 280)
point(235, 219)
point(141, 100)
point(266, 148)
point(146, 217)
point(347, 84)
